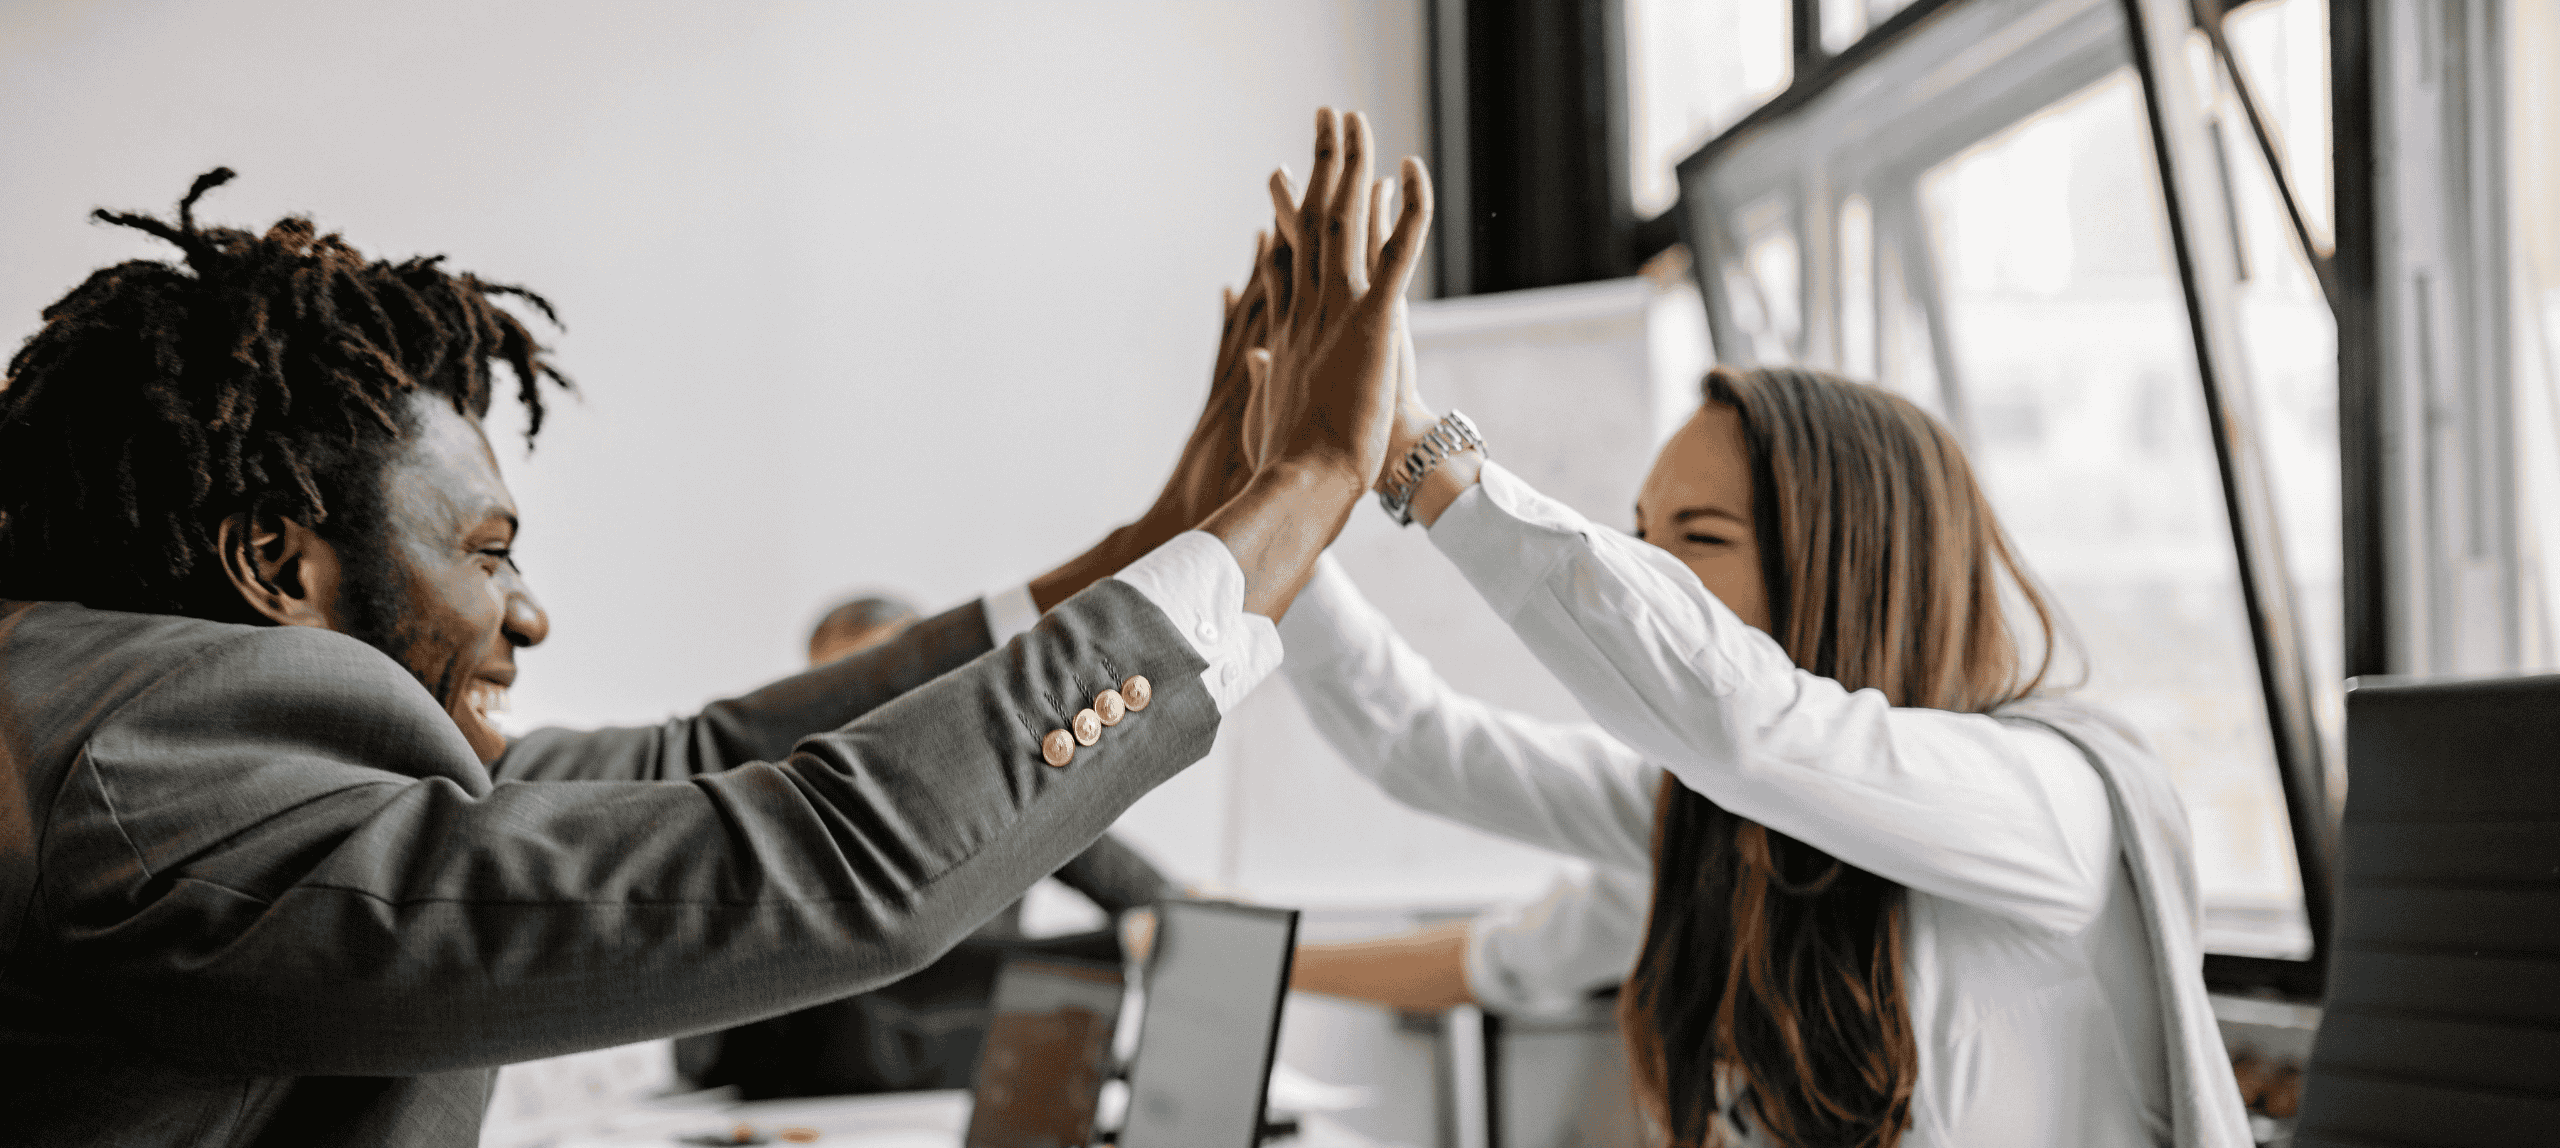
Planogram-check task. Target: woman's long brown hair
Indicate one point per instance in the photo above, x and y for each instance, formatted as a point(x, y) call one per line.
point(1768, 964)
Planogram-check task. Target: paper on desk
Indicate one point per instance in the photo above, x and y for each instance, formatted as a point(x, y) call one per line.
point(1295, 1091)
point(1291, 1091)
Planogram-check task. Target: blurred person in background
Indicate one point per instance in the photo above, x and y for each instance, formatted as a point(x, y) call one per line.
point(924, 1031)
point(857, 624)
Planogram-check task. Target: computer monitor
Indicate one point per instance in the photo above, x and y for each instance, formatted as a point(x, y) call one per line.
point(1047, 1052)
point(1215, 983)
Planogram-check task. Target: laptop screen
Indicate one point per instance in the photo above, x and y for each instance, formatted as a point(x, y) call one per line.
point(1047, 1052)
point(1215, 983)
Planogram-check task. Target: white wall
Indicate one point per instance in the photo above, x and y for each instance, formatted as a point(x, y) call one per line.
point(916, 295)
point(1573, 387)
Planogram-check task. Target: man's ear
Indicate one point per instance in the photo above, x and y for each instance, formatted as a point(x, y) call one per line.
point(284, 571)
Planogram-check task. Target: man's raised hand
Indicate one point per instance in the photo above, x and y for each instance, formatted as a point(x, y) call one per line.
point(1330, 388)
point(1326, 392)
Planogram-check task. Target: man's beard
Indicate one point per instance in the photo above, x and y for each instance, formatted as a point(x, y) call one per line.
point(371, 592)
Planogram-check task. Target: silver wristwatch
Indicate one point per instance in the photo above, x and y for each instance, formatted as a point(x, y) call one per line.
point(1452, 434)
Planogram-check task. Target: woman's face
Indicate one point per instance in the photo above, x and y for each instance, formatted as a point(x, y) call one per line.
point(1697, 505)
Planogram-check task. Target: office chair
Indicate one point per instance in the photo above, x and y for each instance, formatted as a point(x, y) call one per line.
point(2442, 1025)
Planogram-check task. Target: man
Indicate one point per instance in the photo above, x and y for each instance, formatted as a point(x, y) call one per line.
point(924, 1031)
point(268, 875)
point(857, 624)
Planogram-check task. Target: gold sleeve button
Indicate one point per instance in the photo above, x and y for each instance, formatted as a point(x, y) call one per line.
point(1087, 726)
point(1109, 706)
point(1136, 692)
point(1058, 748)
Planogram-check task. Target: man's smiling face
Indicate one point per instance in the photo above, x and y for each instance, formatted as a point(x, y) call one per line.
point(443, 595)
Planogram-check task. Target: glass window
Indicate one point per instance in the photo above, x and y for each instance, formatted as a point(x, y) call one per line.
point(2283, 49)
point(2533, 163)
point(1906, 350)
point(1694, 67)
point(1857, 244)
point(1974, 219)
point(1766, 284)
point(2287, 332)
point(1843, 21)
point(2089, 434)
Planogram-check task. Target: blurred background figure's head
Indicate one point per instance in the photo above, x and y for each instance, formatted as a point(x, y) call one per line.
point(857, 624)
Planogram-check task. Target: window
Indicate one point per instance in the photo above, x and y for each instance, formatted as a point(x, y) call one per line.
point(1844, 21)
point(2288, 333)
point(1693, 68)
point(1969, 208)
point(2089, 433)
point(2533, 151)
point(2442, 283)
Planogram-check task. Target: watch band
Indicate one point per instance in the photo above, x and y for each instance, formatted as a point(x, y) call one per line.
point(1452, 434)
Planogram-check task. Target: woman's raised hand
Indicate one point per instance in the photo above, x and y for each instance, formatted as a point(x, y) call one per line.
point(1327, 391)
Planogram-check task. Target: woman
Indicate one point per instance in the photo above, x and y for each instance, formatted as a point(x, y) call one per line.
point(1895, 903)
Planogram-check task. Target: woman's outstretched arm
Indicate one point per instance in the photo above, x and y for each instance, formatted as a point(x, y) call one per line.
point(1958, 805)
point(1564, 786)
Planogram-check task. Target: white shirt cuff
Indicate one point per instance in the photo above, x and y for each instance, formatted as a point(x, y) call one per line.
point(1009, 613)
point(1493, 938)
point(1198, 585)
point(1546, 957)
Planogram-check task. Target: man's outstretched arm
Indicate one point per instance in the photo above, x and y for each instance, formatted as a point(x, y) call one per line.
point(765, 724)
point(313, 880)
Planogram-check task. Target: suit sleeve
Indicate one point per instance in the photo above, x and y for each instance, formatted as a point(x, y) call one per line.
point(1113, 876)
point(762, 726)
point(282, 858)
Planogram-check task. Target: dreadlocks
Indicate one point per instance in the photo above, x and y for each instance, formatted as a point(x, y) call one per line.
point(268, 376)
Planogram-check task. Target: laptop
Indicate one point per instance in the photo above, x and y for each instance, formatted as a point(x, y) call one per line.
point(1047, 1052)
point(1215, 983)
point(1208, 1032)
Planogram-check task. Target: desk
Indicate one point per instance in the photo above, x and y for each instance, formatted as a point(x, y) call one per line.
point(897, 1120)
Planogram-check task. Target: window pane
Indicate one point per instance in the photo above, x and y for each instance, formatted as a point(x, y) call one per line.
point(2283, 47)
point(2290, 340)
point(1857, 243)
point(1843, 21)
point(2090, 436)
point(1765, 285)
point(1694, 67)
point(1906, 358)
point(2533, 150)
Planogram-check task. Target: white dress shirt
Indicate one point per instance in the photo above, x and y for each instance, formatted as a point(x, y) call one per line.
point(1547, 956)
point(1195, 580)
point(2029, 983)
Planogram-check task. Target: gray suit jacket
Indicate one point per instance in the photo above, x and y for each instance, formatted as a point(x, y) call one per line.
point(256, 889)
